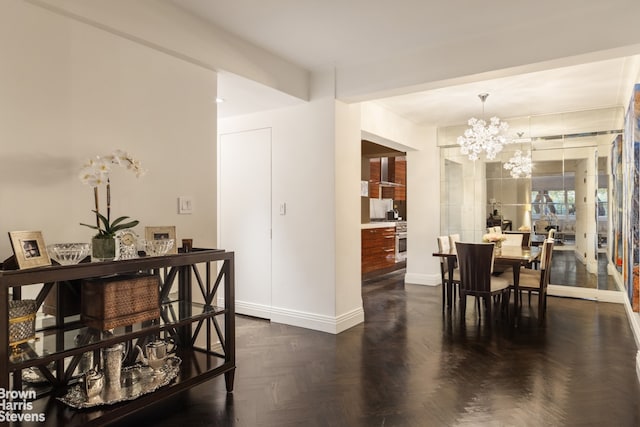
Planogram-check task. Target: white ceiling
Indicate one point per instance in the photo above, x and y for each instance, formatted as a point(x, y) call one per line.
point(331, 33)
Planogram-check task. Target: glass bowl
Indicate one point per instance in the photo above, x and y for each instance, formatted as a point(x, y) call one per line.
point(158, 247)
point(68, 253)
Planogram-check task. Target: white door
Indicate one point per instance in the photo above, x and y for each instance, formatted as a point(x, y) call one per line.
point(245, 216)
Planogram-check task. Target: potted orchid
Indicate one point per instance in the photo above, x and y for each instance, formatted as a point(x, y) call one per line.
point(95, 173)
point(496, 238)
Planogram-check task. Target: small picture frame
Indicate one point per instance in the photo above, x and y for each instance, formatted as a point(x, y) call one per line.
point(162, 232)
point(29, 249)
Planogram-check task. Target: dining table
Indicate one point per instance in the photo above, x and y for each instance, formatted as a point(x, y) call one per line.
point(511, 256)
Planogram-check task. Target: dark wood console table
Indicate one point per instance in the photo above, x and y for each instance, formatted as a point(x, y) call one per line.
point(188, 315)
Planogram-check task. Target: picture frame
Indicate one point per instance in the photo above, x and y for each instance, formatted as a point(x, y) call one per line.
point(29, 249)
point(162, 232)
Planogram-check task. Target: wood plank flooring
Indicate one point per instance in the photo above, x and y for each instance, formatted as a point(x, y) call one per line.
point(567, 270)
point(411, 364)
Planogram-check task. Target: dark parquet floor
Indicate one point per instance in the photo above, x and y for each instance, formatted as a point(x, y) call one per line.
point(411, 364)
point(567, 270)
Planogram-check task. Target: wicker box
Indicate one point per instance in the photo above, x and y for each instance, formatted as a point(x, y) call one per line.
point(111, 302)
point(22, 321)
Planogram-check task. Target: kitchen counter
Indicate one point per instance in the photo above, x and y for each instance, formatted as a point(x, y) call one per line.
point(380, 224)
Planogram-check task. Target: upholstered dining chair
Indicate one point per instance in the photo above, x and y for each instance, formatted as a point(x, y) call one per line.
point(475, 261)
point(512, 239)
point(447, 283)
point(526, 237)
point(453, 238)
point(538, 280)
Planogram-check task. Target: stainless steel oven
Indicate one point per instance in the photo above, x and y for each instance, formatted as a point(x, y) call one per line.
point(401, 241)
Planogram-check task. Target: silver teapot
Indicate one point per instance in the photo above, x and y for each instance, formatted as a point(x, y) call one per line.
point(156, 352)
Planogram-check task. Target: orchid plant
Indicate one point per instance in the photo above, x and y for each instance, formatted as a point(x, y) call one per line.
point(95, 173)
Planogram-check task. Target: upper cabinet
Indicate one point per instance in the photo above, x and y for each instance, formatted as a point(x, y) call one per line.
point(389, 176)
point(400, 178)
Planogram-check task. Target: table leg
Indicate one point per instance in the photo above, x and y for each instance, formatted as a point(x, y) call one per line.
point(516, 290)
point(450, 285)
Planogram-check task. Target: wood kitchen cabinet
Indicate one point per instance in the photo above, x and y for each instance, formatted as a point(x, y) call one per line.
point(397, 174)
point(400, 177)
point(374, 178)
point(378, 248)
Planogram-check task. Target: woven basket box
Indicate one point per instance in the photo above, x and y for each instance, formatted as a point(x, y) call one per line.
point(111, 302)
point(22, 321)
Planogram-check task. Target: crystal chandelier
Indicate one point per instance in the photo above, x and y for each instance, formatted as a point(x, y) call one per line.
point(519, 165)
point(482, 136)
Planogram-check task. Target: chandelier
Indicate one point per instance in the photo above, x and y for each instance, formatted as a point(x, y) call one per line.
point(482, 136)
point(519, 165)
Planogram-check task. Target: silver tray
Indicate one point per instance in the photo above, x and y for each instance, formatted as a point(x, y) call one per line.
point(136, 381)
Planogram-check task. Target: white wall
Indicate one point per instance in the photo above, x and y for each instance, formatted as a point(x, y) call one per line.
point(347, 188)
point(71, 91)
point(305, 242)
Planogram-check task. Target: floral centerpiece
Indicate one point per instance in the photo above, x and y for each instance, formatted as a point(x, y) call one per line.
point(496, 238)
point(95, 173)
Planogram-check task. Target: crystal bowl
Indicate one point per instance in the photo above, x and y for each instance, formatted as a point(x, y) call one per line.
point(158, 247)
point(68, 253)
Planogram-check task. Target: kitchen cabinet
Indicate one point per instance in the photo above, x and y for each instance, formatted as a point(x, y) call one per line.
point(400, 178)
point(374, 178)
point(204, 334)
point(396, 174)
point(378, 248)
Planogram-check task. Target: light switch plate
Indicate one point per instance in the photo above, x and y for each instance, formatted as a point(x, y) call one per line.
point(185, 205)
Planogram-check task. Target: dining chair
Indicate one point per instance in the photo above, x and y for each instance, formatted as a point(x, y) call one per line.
point(453, 238)
point(538, 281)
point(526, 237)
point(475, 261)
point(540, 226)
point(512, 239)
point(447, 282)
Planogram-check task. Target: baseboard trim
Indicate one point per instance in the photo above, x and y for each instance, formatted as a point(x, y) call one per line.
point(316, 322)
point(586, 293)
point(423, 279)
point(251, 309)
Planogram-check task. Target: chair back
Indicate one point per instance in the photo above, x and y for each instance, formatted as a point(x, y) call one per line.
point(453, 238)
point(443, 247)
point(545, 259)
point(552, 233)
point(540, 226)
point(443, 244)
point(512, 239)
point(526, 237)
point(475, 261)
